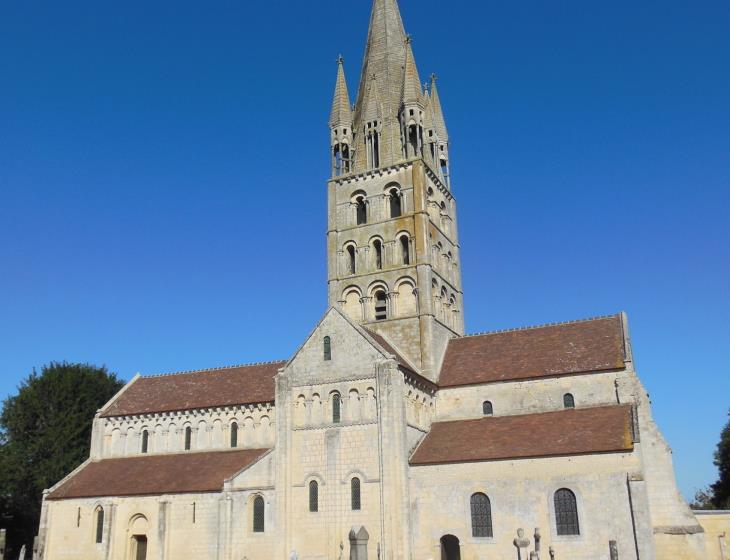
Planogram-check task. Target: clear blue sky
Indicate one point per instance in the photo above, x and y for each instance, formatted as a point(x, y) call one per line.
point(163, 168)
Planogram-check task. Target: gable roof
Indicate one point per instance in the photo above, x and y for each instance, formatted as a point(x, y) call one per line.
point(156, 474)
point(227, 386)
point(565, 432)
point(585, 346)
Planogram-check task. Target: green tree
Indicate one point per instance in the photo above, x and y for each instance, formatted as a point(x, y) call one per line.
point(721, 488)
point(45, 432)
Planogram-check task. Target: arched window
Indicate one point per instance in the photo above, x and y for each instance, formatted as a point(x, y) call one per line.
point(487, 408)
point(336, 405)
point(258, 515)
point(351, 263)
point(234, 434)
point(99, 525)
point(381, 306)
point(568, 401)
point(327, 349)
point(145, 441)
point(481, 516)
point(396, 205)
point(355, 500)
point(566, 512)
point(405, 250)
point(378, 254)
point(361, 210)
point(313, 496)
point(188, 437)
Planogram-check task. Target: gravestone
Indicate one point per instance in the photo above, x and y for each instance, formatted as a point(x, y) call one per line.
point(359, 544)
point(521, 543)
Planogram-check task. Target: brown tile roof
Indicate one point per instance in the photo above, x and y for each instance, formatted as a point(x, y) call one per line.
point(564, 432)
point(568, 348)
point(156, 474)
point(200, 389)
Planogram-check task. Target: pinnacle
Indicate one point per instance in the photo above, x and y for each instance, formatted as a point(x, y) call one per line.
point(341, 109)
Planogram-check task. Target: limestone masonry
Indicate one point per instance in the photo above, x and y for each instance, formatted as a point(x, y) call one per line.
point(389, 434)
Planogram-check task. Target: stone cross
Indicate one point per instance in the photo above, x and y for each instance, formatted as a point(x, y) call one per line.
point(521, 542)
point(613, 548)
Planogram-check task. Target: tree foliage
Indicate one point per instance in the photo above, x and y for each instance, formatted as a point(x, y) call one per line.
point(45, 432)
point(721, 488)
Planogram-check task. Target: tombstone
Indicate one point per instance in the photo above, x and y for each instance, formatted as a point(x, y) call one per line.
point(359, 544)
point(521, 542)
point(2, 544)
point(613, 548)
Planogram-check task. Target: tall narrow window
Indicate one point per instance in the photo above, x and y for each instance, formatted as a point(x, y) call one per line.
point(487, 408)
point(188, 437)
point(351, 266)
point(234, 434)
point(145, 441)
point(481, 516)
point(313, 496)
point(99, 525)
point(336, 404)
point(355, 494)
point(396, 207)
point(378, 246)
point(568, 401)
point(327, 349)
point(361, 210)
point(405, 250)
point(258, 515)
point(381, 306)
point(566, 512)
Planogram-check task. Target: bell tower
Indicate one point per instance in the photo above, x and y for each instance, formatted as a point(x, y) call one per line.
point(393, 249)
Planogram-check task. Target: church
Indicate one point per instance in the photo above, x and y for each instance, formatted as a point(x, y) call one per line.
point(390, 434)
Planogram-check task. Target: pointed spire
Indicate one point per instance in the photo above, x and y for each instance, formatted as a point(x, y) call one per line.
point(341, 109)
point(381, 81)
point(412, 92)
point(439, 123)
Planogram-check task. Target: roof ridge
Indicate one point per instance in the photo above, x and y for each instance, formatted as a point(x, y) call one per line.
point(220, 368)
point(542, 326)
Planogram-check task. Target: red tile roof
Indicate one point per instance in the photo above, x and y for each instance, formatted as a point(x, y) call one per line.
point(568, 348)
point(200, 389)
point(565, 432)
point(156, 474)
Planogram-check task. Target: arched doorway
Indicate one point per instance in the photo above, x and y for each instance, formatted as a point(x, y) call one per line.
point(138, 538)
point(450, 548)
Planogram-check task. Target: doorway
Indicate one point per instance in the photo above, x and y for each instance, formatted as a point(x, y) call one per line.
point(450, 548)
point(140, 547)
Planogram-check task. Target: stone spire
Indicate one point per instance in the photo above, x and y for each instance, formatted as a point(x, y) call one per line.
point(412, 92)
point(341, 114)
point(382, 79)
point(437, 114)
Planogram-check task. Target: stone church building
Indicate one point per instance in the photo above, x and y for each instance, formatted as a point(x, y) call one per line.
point(389, 434)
